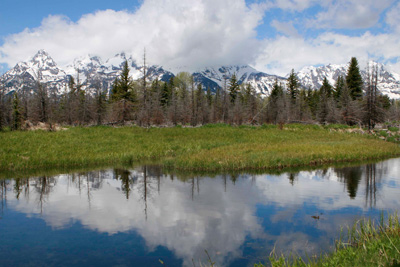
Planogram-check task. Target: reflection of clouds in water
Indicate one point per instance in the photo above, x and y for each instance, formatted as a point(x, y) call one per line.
point(328, 193)
point(189, 217)
point(215, 220)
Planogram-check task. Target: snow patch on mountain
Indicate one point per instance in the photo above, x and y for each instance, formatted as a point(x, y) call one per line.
point(312, 77)
point(93, 73)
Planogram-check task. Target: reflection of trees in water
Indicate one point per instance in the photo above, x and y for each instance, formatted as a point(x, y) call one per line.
point(21, 185)
point(148, 184)
point(43, 186)
point(127, 180)
point(373, 176)
point(3, 193)
point(145, 180)
point(195, 184)
point(86, 182)
point(292, 177)
point(351, 176)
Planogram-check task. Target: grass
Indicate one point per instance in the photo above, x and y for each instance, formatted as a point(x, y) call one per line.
point(368, 244)
point(208, 148)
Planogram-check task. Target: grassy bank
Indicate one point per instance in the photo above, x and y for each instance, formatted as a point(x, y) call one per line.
point(212, 148)
point(368, 244)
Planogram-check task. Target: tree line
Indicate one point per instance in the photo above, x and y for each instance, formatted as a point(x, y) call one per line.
point(351, 100)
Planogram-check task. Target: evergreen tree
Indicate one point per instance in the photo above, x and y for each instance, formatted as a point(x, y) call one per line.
point(209, 96)
point(354, 80)
point(313, 101)
point(16, 125)
point(233, 88)
point(349, 108)
point(123, 88)
point(304, 108)
point(42, 102)
point(327, 107)
point(123, 94)
point(71, 84)
point(100, 105)
point(277, 104)
point(339, 85)
point(326, 88)
point(1, 110)
point(165, 94)
point(293, 85)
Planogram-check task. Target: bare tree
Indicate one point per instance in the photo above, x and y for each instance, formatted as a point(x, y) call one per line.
point(373, 112)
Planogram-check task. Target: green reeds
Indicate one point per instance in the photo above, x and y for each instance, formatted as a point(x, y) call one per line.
point(208, 148)
point(368, 243)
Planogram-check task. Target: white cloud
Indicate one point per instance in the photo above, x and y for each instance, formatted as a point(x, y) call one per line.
point(174, 32)
point(294, 5)
point(284, 53)
point(198, 33)
point(393, 17)
point(350, 14)
point(286, 28)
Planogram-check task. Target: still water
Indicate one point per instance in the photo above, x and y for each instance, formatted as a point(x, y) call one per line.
point(140, 216)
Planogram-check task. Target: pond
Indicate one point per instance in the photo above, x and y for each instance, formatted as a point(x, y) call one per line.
point(144, 217)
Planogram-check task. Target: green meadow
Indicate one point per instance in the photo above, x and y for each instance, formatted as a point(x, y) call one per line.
point(208, 148)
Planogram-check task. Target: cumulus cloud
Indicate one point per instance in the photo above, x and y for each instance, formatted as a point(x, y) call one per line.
point(199, 33)
point(286, 28)
point(393, 18)
point(293, 5)
point(350, 14)
point(282, 54)
point(174, 33)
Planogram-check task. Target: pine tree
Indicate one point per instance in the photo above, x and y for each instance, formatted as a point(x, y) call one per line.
point(16, 125)
point(354, 80)
point(123, 94)
point(233, 88)
point(348, 112)
point(326, 88)
point(339, 85)
point(123, 86)
point(209, 96)
point(327, 106)
point(1, 110)
point(276, 104)
point(100, 105)
point(293, 85)
point(165, 95)
point(42, 102)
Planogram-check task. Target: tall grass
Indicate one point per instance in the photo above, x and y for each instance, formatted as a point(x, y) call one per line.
point(368, 244)
point(211, 148)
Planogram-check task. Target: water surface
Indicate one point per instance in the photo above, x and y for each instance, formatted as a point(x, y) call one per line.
point(140, 216)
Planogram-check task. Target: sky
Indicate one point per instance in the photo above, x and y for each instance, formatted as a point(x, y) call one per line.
point(273, 36)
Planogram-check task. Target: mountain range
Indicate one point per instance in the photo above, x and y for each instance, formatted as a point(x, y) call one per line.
point(92, 72)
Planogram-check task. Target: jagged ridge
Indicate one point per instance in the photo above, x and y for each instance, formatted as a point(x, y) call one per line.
point(93, 72)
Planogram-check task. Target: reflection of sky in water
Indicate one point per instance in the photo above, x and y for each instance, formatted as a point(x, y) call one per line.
point(96, 218)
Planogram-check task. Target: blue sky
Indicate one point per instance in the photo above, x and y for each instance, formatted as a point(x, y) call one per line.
point(16, 15)
point(271, 35)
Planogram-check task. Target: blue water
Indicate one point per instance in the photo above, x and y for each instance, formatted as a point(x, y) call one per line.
point(142, 217)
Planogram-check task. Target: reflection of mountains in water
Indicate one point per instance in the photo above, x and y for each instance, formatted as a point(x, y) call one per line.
point(220, 214)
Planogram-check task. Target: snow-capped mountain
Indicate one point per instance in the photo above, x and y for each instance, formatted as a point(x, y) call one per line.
point(92, 72)
point(312, 77)
point(220, 76)
point(40, 68)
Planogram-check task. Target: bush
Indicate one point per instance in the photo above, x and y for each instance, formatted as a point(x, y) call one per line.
point(393, 129)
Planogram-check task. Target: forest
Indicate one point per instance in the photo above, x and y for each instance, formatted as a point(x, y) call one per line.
point(180, 101)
